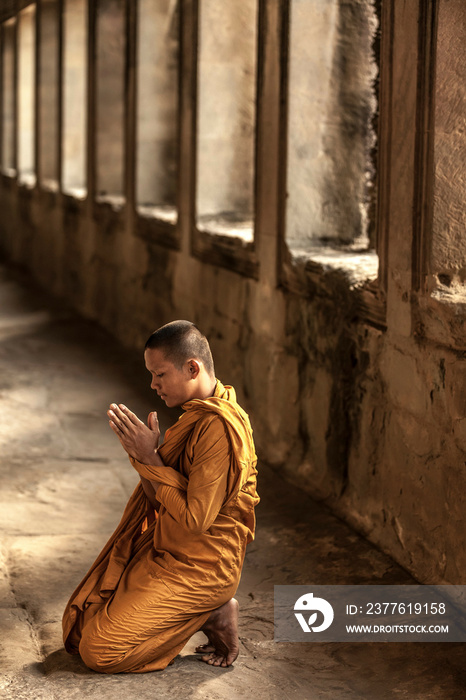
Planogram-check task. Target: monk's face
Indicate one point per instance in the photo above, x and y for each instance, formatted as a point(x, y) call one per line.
point(174, 386)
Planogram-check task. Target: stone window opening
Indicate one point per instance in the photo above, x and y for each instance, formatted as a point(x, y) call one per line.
point(444, 265)
point(74, 114)
point(48, 94)
point(226, 118)
point(110, 101)
point(26, 95)
point(157, 109)
point(331, 135)
point(8, 97)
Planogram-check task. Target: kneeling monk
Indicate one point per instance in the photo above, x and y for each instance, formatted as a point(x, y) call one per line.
point(174, 562)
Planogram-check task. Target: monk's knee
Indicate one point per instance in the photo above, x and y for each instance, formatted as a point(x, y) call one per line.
point(91, 655)
point(95, 652)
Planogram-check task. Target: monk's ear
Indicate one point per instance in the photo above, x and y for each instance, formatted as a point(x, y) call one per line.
point(194, 368)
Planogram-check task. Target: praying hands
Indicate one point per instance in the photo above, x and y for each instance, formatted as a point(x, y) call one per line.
point(138, 440)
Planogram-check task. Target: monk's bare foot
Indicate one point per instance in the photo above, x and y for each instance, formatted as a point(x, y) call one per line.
point(205, 648)
point(222, 631)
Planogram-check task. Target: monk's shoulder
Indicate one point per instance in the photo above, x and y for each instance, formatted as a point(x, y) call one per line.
point(208, 437)
point(210, 431)
point(210, 423)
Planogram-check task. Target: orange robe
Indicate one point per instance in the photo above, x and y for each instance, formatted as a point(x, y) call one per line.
point(152, 588)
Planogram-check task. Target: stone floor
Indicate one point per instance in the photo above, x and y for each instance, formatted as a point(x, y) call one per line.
point(64, 482)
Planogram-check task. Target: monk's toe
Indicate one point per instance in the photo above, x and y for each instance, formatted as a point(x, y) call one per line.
point(216, 661)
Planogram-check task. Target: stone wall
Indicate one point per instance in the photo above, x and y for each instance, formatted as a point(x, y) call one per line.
point(363, 410)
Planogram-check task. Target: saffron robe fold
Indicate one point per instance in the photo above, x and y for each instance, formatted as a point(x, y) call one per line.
point(154, 586)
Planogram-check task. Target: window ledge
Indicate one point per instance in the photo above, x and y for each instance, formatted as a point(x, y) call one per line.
point(9, 172)
point(351, 275)
point(75, 192)
point(230, 251)
point(49, 185)
point(453, 296)
point(164, 213)
point(224, 227)
point(27, 180)
point(115, 201)
point(158, 224)
point(440, 315)
point(359, 267)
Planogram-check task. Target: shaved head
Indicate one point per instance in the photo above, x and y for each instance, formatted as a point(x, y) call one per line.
point(181, 341)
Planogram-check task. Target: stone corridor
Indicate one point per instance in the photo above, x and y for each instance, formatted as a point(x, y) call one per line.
point(64, 482)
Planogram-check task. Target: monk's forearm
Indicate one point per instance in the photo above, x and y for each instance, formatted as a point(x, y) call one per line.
point(149, 491)
point(152, 459)
point(157, 473)
point(150, 487)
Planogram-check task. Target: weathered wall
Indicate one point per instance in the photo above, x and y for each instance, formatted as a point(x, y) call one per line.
point(369, 419)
